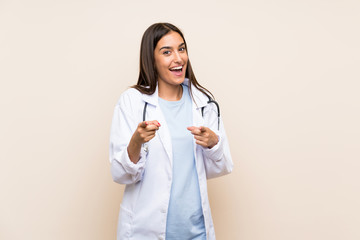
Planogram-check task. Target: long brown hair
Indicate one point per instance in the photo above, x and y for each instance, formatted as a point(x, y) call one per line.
point(148, 75)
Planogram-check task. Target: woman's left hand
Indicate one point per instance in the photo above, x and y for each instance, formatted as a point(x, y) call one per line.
point(204, 136)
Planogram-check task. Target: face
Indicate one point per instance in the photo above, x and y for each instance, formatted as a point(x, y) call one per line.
point(171, 59)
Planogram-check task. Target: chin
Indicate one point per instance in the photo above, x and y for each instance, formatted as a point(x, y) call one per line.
point(180, 80)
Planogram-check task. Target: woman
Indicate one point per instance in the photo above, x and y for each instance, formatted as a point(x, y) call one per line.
point(165, 159)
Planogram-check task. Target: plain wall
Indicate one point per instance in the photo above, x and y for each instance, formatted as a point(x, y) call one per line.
point(286, 75)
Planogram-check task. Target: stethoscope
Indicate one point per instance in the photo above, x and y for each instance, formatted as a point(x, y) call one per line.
point(202, 110)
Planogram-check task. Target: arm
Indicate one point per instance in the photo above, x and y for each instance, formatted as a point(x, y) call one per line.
point(217, 160)
point(214, 145)
point(145, 132)
point(127, 155)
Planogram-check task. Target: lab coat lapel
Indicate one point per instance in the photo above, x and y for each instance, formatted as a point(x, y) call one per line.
point(199, 101)
point(198, 120)
point(157, 114)
point(164, 133)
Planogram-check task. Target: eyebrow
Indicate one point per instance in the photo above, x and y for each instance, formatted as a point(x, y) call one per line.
point(167, 47)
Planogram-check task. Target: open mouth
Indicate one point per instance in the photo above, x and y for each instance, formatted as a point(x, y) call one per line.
point(177, 69)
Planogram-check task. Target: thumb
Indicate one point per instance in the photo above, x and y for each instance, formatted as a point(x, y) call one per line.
point(202, 129)
point(143, 124)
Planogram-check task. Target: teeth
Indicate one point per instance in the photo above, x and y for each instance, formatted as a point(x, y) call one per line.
point(176, 68)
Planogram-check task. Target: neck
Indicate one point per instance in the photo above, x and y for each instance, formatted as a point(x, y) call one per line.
point(170, 92)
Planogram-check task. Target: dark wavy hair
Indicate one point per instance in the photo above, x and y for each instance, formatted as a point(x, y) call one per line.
point(148, 75)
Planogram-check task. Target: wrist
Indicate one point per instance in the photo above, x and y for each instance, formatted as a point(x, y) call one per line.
point(215, 142)
point(136, 140)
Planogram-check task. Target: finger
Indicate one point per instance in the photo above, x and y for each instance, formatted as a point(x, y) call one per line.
point(154, 122)
point(149, 131)
point(143, 124)
point(201, 143)
point(151, 128)
point(203, 129)
point(197, 132)
point(200, 138)
point(148, 138)
point(194, 130)
point(147, 134)
point(191, 128)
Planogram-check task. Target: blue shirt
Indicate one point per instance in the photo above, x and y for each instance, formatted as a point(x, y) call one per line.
point(185, 218)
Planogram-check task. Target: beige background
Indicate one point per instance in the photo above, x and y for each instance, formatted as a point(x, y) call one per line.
point(286, 74)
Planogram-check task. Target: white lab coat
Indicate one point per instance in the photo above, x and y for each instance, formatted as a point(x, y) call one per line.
point(144, 207)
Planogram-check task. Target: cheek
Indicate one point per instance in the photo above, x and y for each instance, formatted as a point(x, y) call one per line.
point(158, 65)
point(161, 67)
point(185, 58)
point(161, 63)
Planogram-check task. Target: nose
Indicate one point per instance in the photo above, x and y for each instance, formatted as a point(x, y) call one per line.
point(177, 58)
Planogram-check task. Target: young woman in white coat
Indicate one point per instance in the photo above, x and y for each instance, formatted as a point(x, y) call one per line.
point(166, 159)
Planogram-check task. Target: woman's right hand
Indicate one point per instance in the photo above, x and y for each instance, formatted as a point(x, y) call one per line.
point(144, 132)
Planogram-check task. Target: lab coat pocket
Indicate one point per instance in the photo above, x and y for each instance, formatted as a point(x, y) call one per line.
point(124, 224)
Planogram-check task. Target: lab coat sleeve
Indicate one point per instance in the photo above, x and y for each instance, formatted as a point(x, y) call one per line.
point(123, 170)
point(217, 160)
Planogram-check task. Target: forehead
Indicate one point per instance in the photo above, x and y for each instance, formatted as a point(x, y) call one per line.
point(172, 39)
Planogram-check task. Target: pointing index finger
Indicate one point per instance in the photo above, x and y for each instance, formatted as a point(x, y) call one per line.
point(143, 124)
point(194, 130)
point(202, 129)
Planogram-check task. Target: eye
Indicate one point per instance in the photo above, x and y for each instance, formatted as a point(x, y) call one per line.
point(166, 52)
point(182, 49)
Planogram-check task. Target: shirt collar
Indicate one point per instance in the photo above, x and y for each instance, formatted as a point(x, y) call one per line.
point(199, 98)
